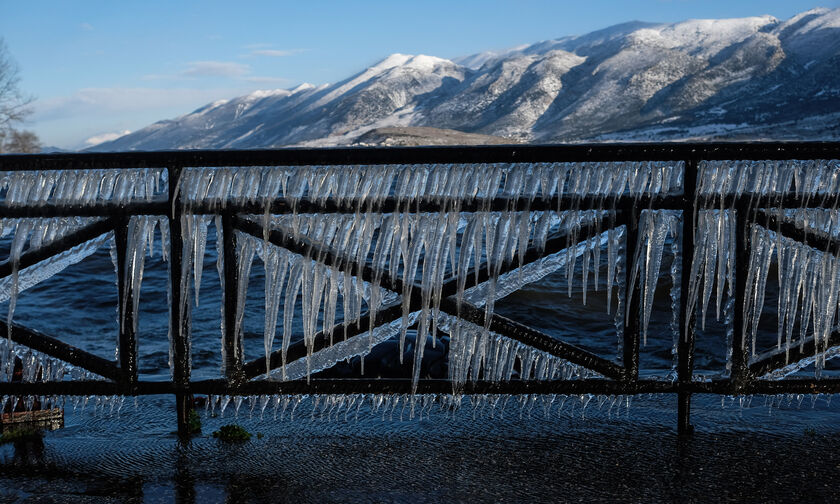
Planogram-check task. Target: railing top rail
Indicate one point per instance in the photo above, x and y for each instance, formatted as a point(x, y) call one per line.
point(662, 151)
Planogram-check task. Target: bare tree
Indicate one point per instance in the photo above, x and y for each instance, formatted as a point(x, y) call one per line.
point(14, 107)
point(21, 142)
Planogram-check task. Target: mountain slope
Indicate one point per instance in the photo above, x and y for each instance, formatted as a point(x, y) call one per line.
point(734, 78)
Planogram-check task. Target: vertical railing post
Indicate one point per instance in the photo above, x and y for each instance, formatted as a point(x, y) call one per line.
point(127, 337)
point(232, 342)
point(738, 372)
point(685, 344)
point(632, 294)
point(179, 310)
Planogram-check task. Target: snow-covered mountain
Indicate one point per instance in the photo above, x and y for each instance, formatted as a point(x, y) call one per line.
point(702, 79)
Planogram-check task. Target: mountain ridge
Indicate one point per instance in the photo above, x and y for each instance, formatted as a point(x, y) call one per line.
point(745, 78)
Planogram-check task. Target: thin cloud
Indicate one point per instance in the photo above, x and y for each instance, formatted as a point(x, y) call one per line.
point(267, 80)
point(153, 77)
point(215, 69)
point(232, 70)
point(110, 101)
point(265, 49)
point(276, 52)
point(86, 26)
point(67, 121)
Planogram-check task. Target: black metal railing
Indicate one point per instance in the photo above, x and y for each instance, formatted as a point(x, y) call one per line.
point(121, 378)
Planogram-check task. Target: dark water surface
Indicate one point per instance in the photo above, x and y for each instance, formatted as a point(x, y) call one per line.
point(754, 453)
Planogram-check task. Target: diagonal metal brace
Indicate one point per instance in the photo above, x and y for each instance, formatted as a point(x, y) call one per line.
point(321, 341)
point(63, 244)
point(533, 338)
point(812, 238)
point(499, 324)
point(532, 254)
point(60, 350)
point(780, 358)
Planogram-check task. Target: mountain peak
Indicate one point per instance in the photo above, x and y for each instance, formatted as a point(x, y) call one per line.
point(302, 87)
point(424, 62)
point(265, 93)
point(395, 59)
point(814, 19)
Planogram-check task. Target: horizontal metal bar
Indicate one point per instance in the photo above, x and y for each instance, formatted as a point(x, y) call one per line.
point(427, 386)
point(789, 200)
point(430, 386)
point(338, 386)
point(63, 244)
point(674, 151)
point(99, 209)
point(60, 350)
point(434, 204)
point(416, 205)
point(622, 204)
point(303, 206)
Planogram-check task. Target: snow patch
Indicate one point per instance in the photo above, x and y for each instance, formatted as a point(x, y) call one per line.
point(105, 137)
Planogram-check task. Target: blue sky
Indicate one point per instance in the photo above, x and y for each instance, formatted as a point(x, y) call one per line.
point(100, 67)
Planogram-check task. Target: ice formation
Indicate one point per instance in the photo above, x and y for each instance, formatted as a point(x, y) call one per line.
point(339, 242)
point(80, 187)
point(408, 407)
point(351, 259)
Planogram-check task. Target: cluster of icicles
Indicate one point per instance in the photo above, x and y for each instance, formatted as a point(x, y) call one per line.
point(98, 405)
point(478, 248)
point(776, 401)
point(424, 247)
point(402, 407)
point(406, 407)
point(32, 366)
point(807, 303)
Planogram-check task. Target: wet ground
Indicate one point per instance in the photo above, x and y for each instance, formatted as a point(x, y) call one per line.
point(756, 453)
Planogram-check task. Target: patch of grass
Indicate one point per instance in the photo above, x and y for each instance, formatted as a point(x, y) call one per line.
point(194, 423)
point(21, 434)
point(232, 434)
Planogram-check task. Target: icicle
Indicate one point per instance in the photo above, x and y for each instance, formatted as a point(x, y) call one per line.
point(655, 227)
point(276, 263)
point(245, 249)
point(292, 290)
point(220, 269)
point(199, 244)
point(676, 287)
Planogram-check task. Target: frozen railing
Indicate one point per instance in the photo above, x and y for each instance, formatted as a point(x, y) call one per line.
point(366, 243)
